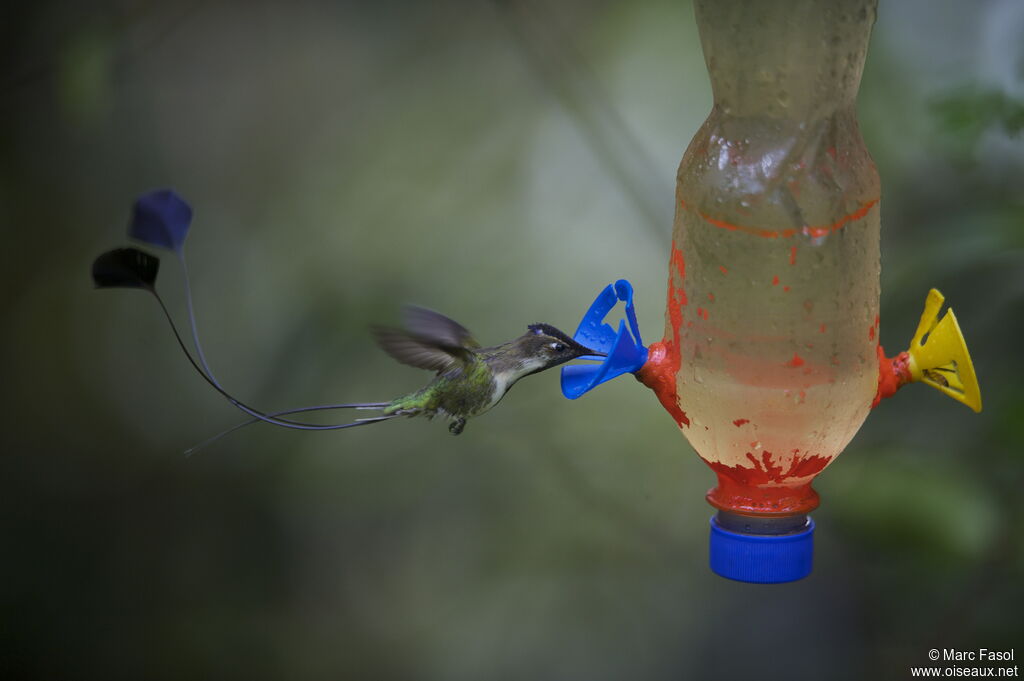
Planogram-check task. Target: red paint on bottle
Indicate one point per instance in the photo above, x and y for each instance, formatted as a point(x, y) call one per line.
point(841, 222)
point(871, 333)
point(797, 361)
point(659, 374)
point(808, 230)
point(792, 255)
point(785, 289)
point(740, 422)
point(721, 268)
point(893, 374)
point(678, 263)
point(676, 294)
point(766, 487)
point(821, 329)
point(775, 280)
point(663, 359)
point(711, 297)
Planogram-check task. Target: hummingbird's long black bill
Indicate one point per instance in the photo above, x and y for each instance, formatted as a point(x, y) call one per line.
point(585, 353)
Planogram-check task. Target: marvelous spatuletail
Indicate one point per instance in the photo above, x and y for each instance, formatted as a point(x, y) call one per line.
point(469, 379)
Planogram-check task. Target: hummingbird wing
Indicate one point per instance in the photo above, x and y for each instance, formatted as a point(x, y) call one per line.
point(428, 324)
point(432, 341)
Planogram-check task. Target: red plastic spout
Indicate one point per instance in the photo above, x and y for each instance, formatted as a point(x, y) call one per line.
point(893, 374)
point(659, 374)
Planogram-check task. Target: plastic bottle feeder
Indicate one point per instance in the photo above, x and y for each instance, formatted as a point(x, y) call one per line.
point(770, 360)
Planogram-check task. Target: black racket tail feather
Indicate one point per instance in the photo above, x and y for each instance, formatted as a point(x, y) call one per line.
point(204, 370)
point(358, 422)
point(190, 309)
point(319, 407)
point(132, 268)
point(255, 413)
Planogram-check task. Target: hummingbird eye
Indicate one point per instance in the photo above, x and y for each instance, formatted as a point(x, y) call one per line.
point(558, 347)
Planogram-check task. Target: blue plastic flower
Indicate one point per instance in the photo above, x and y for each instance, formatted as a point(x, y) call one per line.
point(624, 348)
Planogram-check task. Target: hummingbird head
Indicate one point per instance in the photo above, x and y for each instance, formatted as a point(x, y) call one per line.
point(543, 346)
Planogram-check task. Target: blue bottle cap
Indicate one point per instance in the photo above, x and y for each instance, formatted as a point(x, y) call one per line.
point(761, 558)
point(623, 347)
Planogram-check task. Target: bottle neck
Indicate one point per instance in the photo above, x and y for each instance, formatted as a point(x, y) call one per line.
point(785, 59)
point(763, 524)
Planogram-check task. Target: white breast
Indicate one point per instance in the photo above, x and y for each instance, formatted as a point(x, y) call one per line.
point(504, 380)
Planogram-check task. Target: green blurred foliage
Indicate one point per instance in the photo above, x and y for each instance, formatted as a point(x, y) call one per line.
point(499, 162)
point(969, 113)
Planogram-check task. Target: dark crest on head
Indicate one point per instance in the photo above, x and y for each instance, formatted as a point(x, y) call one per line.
point(548, 330)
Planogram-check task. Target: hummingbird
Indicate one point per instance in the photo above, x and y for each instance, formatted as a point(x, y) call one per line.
point(469, 379)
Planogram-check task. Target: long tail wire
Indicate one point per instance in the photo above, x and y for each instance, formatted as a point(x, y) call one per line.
point(203, 369)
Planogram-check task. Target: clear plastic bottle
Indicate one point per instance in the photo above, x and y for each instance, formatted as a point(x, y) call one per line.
point(772, 316)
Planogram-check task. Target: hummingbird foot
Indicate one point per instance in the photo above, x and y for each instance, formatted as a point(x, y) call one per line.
point(457, 426)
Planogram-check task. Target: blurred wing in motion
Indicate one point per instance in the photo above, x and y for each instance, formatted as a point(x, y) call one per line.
point(434, 326)
point(431, 341)
point(422, 353)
